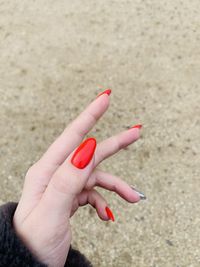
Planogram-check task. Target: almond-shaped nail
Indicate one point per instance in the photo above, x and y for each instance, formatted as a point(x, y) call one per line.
point(141, 195)
point(84, 153)
point(110, 214)
point(139, 126)
point(108, 92)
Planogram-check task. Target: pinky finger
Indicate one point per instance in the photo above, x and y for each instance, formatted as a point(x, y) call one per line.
point(96, 200)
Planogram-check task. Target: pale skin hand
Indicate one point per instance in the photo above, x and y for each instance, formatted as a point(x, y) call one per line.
point(54, 188)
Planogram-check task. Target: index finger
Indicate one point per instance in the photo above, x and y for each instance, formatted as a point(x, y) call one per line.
point(75, 131)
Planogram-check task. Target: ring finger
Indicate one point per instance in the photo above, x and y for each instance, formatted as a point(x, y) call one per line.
point(115, 184)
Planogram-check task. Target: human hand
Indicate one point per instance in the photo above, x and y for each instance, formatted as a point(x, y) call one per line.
point(64, 179)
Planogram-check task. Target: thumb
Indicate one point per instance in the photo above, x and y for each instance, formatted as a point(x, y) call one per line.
point(70, 179)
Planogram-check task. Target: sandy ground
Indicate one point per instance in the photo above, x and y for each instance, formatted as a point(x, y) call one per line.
point(55, 56)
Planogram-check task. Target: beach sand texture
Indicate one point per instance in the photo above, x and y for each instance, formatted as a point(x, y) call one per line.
point(55, 57)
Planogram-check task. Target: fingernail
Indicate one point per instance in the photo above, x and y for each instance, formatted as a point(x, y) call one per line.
point(84, 153)
point(110, 214)
point(142, 196)
point(108, 92)
point(139, 126)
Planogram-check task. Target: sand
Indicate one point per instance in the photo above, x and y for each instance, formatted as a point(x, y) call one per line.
point(56, 56)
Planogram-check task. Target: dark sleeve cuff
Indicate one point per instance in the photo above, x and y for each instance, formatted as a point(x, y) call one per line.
point(13, 252)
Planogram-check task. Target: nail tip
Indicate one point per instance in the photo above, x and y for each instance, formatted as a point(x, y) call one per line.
point(107, 91)
point(138, 126)
point(92, 139)
point(110, 214)
point(141, 195)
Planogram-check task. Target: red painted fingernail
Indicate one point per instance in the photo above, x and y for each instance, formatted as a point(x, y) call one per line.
point(84, 153)
point(108, 92)
point(110, 214)
point(139, 126)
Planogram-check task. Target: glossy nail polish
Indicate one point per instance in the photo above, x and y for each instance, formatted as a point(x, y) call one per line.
point(139, 126)
point(84, 153)
point(110, 214)
point(141, 195)
point(108, 92)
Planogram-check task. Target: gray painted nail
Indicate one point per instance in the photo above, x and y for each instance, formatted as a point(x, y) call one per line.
point(142, 196)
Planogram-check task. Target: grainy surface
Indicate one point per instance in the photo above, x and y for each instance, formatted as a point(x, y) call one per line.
point(55, 57)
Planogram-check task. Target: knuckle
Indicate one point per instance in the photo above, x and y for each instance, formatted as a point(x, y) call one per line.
point(115, 188)
point(99, 155)
point(59, 181)
point(116, 144)
point(32, 170)
point(64, 184)
point(92, 117)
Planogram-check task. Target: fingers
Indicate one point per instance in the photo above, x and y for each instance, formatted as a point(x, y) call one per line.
point(96, 200)
point(113, 144)
point(70, 178)
point(112, 183)
point(75, 132)
point(40, 173)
